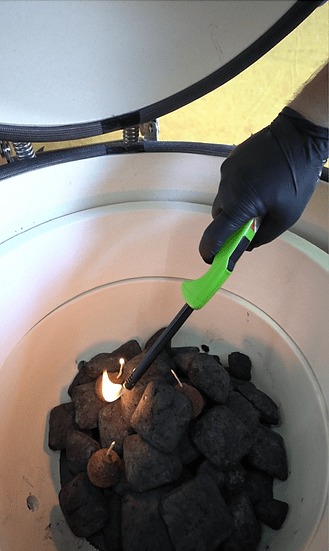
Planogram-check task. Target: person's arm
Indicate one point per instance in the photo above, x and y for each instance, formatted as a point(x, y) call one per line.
point(274, 173)
point(312, 101)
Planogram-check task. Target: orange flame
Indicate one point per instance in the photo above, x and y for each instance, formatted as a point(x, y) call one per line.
point(110, 391)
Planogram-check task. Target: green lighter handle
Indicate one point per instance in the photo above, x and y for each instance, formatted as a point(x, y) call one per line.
point(199, 291)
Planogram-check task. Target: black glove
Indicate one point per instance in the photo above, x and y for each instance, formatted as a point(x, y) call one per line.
point(272, 174)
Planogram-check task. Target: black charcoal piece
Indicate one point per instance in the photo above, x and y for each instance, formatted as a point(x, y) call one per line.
point(79, 449)
point(86, 406)
point(271, 512)
point(146, 467)
point(81, 378)
point(162, 416)
point(156, 370)
point(268, 409)
point(61, 420)
point(209, 469)
point(259, 485)
point(235, 481)
point(150, 342)
point(209, 376)
point(112, 426)
point(130, 398)
point(205, 348)
point(222, 437)
point(268, 453)
point(186, 450)
point(83, 506)
point(143, 529)
point(247, 530)
point(243, 409)
point(239, 366)
point(175, 350)
point(112, 529)
point(183, 361)
point(196, 515)
point(109, 361)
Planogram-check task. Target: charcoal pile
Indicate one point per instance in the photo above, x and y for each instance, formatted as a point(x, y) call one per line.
point(185, 461)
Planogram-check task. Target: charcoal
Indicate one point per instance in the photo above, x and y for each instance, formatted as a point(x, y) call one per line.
point(130, 398)
point(268, 409)
point(175, 350)
point(158, 369)
point(186, 450)
point(243, 409)
point(83, 506)
point(183, 361)
point(196, 515)
point(112, 426)
point(86, 406)
point(222, 437)
point(259, 485)
point(239, 366)
point(81, 378)
point(268, 453)
point(205, 348)
point(79, 449)
point(272, 512)
point(61, 420)
point(162, 416)
point(147, 467)
point(142, 526)
point(207, 375)
point(209, 469)
point(194, 395)
point(109, 361)
point(247, 530)
point(235, 481)
point(112, 529)
point(152, 340)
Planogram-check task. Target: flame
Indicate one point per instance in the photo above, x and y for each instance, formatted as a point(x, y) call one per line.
point(110, 391)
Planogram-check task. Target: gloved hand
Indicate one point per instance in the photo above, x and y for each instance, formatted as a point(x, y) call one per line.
point(272, 174)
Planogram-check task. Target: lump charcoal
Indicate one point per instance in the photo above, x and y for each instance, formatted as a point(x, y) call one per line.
point(81, 378)
point(209, 376)
point(186, 450)
point(247, 530)
point(61, 420)
point(79, 449)
point(112, 426)
point(112, 529)
point(86, 406)
point(109, 361)
point(142, 526)
point(269, 412)
point(222, 437)
point(83, 506)
point(244, 410)
point(162, 416)
point(209, 469)
point(196, 515)
point(271, 512)
point(268, 453)
point(259, 485)
point(146, 467)
point(239, 366)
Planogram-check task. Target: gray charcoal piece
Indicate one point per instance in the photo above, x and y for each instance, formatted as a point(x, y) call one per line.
point(259, 485)
point(81, 378)
point(243, 409)
point(266, 406)
point(239, 366)
point(222, 437)
point(271, 512)
point(112, 426)
point(83, 506)
point(143, 529)
point(162, 416)
point(130, 398)
point(112, 529)
point(183, 361)
point(61, 420)
point(196, 515)
point(79, 449)
point(150, 342)
point(146, 467)
point(86, 406)
point(209, 469)
point(247, 530)
point(209, 376)
point(268, 453)
point(235, 481)
point(186, 450)
point(175, 350)
point(109, 361)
